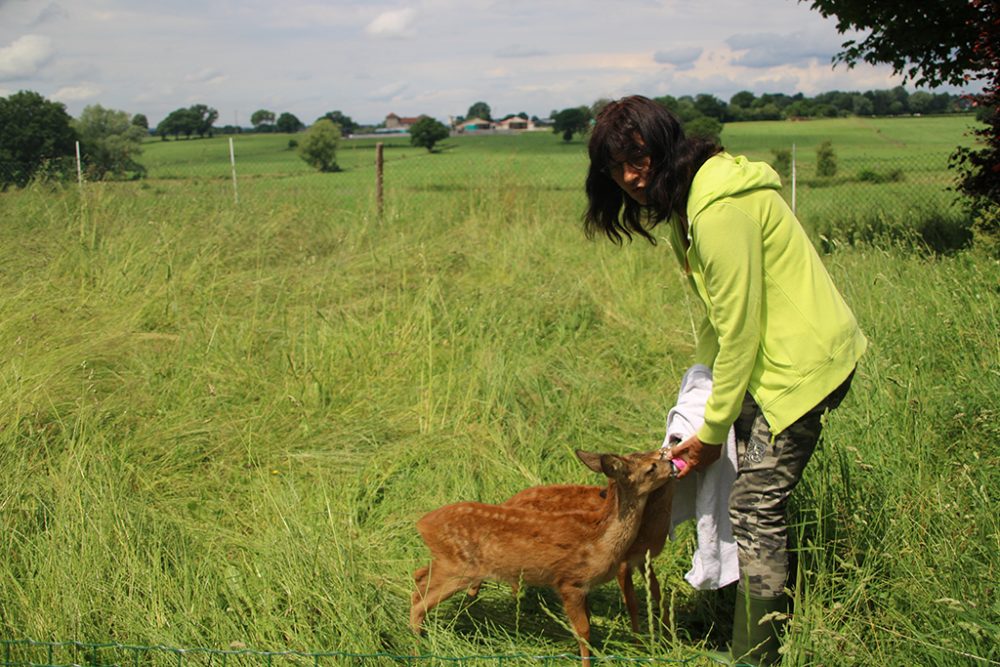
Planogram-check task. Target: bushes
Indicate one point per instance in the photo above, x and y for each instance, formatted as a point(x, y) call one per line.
point(871, 176)
point(934, 230)
point(826, 160)
point(319, 145)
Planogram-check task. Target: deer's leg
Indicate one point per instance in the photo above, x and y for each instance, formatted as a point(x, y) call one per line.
point(575, 603)
point(628, 592)
point(434, 585)
point(655, 594)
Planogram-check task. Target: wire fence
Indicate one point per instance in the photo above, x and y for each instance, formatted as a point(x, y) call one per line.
point(30, 653)
point(856, 198)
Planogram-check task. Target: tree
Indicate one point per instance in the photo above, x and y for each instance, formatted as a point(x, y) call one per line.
point(204, 118)
point(319, 145)
point(33, 130)
point(427, 131)
point(945, 41)
point(479, 110)
point(598, 106)
point(262, 120)
point(110, 142)
point(575, 120)
point(782, 161)
point(979, 169)
point(140, 120)
point(288, 123)
point(709, 105)
point(347, 126)
point(197, 119)
point(744, 99)
point(705, 126)
point(826, 160)
point(929, 42)
point(177, 122)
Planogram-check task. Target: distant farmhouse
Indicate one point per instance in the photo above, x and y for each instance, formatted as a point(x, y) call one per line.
point(474, 124)
point(515, 123)
point(512, 124)
point(399, 124)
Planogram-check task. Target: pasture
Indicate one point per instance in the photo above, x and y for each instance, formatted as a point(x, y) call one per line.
point(219, 422)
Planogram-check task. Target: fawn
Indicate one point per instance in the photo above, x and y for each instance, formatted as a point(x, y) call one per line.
point(650, 538)
point(569, 549)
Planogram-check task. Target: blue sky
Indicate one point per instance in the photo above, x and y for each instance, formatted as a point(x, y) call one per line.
point(433, 57)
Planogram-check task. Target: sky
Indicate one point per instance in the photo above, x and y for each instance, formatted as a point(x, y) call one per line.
point(436, 57)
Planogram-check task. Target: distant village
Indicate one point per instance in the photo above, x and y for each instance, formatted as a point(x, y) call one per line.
point(394, 124)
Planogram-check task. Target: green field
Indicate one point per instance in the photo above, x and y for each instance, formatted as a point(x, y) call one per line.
point(907, 192)
point(219, 421)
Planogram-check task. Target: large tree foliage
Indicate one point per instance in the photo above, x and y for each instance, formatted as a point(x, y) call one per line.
point(979, 169)
point(930, 41)
point(197, 119)
point(479, 110)
point(289, 123)
point(262, 120)
point(110, 142)
point(319, 145)
point(575, 120)
point(204, 118)
point(427, 131)
point(347, 126)
point(935, 42)
point(33, 131)
point(177, 122)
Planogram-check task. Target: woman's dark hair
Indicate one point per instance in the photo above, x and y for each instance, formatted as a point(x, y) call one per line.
point(629, 129)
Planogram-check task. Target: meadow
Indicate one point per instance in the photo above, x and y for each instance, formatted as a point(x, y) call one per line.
point(219, 421)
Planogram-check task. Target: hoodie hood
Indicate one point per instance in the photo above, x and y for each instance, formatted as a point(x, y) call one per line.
point(724, 175)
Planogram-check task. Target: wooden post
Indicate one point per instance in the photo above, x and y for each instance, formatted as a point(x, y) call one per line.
point(379, 163)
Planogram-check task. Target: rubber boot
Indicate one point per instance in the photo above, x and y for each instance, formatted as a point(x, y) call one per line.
point(756, 640)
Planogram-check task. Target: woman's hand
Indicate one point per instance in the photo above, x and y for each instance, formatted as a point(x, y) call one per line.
point(697, 454)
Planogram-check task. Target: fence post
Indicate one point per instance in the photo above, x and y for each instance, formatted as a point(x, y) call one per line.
point(79, 167)
point(793, 178)
point(379, 164)
point(232, 161)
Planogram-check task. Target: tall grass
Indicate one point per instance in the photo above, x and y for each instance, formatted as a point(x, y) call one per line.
point(218, 424)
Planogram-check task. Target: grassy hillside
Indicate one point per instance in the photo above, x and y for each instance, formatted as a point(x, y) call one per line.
point(218, 423)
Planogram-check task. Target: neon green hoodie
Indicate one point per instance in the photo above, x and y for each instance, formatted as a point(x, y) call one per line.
point(775, 324)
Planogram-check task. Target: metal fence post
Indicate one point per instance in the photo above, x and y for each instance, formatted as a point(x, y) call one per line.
point(232, 162)
point(379, 164)
point(793, 178)
point(79, 166)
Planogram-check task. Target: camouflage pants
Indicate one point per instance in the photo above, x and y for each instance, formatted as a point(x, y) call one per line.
point(768, 472)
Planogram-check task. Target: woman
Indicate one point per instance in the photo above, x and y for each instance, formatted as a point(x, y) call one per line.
point(780, 340)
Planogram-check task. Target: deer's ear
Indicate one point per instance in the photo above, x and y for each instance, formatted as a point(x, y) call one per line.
point(612, 465)
point(591, 460)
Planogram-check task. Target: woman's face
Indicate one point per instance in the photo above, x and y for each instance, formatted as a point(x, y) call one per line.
point(632, 177)
point(631, 174)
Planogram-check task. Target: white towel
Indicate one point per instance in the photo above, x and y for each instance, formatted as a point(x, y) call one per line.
point(704, 495)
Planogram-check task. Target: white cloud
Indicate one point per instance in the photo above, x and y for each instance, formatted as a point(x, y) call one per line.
point(387, 93)
point(519, 51)
point(207, 75)
point(763, 50)
point(393, 23)
point(681, 57)
point(25, 56)
point(77, 93)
